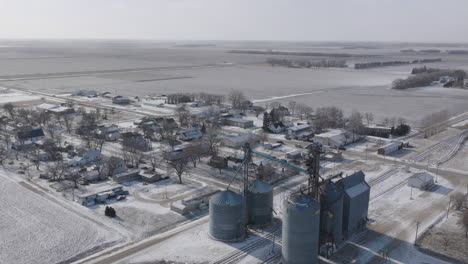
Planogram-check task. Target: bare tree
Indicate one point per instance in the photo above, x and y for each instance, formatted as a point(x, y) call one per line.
point(263, 136)
point(183, 114)
point(68, 122)
point(57, 169)
point(275, 104)
point(213, 141)
point(7, 140)
point(179, 166)
point(10, 109)
point(458, 200)
point(292, 107)
point(355, 123)
point(369, 117)
point(464, 222)
point(236, 98)
point(4, 155)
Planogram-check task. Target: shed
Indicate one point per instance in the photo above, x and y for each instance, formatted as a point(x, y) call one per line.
point(333, 138)
point(390, 148)
point(421, 180)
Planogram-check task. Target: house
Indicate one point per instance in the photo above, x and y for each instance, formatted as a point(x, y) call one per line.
point(190, 134)
point(465, 83)
point(297, 130)
point(334, 138)
point(238, 122)
point(152, 176)
point(390, 148)
point(130, 175)
point(110, 133)
point(89, 199)
point(277, 127)
point(32, 135)
point(421, 181)
point(218, 162)
point(85, 159)
point(27, 138)
point(122, 100)
point(239, 141)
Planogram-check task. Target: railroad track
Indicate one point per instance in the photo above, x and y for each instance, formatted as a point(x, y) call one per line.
point(393, 188)
point(272, 259)
point(384, 176)
point(461, 139)
point(245, 250)
point(443, 144)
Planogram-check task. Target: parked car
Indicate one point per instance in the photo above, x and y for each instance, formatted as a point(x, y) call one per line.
point(280, 142)
point(121, 197)
point(298, 146)
point(341, 148)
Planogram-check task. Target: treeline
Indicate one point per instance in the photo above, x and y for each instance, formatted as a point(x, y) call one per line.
point(418, 70)
point(306, 63)
point(294, 53)
point(368, 65)
point(181, 98)
point(426, 78)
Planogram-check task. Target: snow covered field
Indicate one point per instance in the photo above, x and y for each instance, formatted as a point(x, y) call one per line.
point(35, 230)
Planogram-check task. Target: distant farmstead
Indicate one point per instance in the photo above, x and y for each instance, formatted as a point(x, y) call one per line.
point(122, 100)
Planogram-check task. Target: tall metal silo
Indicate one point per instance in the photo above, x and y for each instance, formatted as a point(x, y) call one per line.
point(331, 216)
point(259, 203)
point(355, 202)
point(227, 216)
point(301, 227)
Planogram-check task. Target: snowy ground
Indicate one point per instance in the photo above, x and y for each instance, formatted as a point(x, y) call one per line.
point(35, 230)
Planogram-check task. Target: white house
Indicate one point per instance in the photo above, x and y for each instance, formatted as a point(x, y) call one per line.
point(333, 138)
point(421, 181)
point(277, 127)
point(296, 131)
point(86, 158)
point(239, 141)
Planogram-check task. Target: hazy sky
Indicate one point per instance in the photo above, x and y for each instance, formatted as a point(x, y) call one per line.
point(366, 20)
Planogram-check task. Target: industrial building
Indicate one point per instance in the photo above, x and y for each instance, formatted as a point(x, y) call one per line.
point(355, 202)
point(238, 122)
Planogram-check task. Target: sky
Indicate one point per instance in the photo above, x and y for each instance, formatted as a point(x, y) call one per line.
point(286, 20)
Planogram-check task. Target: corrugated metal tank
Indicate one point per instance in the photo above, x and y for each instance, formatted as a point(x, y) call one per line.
point(227, 216)
point(331, 216)
point(355, 202)
point(259, 203)
point(301, 227)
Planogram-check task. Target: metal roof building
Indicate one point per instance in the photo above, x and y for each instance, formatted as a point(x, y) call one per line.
point(355, 202)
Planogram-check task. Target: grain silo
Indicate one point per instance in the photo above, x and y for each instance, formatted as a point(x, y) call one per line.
point(259, 203)
point(301, 226)
point(227, 216)
point(331, 216)
point(355, 202)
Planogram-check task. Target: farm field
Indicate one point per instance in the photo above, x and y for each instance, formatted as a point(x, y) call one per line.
point(46, 231)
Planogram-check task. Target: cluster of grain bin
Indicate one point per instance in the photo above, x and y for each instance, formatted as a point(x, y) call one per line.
point(230, 213)
point(307, 223)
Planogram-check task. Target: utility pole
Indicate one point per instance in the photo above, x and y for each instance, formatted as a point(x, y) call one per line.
point(411, 193)
point(448, 208)
point(437, 171)
point(417, 228)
